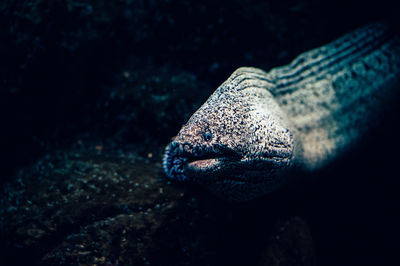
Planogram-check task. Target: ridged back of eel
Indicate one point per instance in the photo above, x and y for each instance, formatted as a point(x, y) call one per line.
point(259, 128)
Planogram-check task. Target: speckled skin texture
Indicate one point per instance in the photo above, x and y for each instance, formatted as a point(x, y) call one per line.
point(258, 127)
point(241, 158)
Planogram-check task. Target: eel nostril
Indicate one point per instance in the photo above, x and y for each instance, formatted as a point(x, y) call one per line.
point(207, 136)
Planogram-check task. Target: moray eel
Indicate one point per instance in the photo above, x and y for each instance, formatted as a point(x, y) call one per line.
point(258, 129)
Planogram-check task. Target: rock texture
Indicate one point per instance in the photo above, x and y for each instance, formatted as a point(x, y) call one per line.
point(87, 208)
point(290, 244)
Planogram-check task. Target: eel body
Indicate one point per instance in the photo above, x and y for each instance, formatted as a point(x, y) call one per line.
point(259, 128)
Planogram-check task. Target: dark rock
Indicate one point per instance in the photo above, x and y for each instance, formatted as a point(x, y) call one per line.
point(91, 207)
point(86, 208)
point(290, 243)
point(146, 105)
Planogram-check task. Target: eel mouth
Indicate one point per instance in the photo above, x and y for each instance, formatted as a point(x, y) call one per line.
point(204, 163)
point(183, 162)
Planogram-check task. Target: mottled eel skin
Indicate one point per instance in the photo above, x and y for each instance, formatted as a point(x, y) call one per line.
point(258, 129)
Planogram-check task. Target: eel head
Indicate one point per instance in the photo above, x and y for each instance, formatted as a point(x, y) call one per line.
point(237, 145)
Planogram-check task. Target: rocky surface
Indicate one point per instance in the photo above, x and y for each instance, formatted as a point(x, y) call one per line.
point(148, 106)
point(89, 208)
point(86, 208)
point(290, 243)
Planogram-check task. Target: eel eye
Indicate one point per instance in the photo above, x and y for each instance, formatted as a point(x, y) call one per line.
point(207, 136)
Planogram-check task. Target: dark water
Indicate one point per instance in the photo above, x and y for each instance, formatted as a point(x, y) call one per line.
point(113, 81)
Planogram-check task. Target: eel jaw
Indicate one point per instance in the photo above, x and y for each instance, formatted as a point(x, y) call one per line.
point(190, 164)
point(229, 175)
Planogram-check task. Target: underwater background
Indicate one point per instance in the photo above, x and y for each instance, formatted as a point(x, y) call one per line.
point(92, 91)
